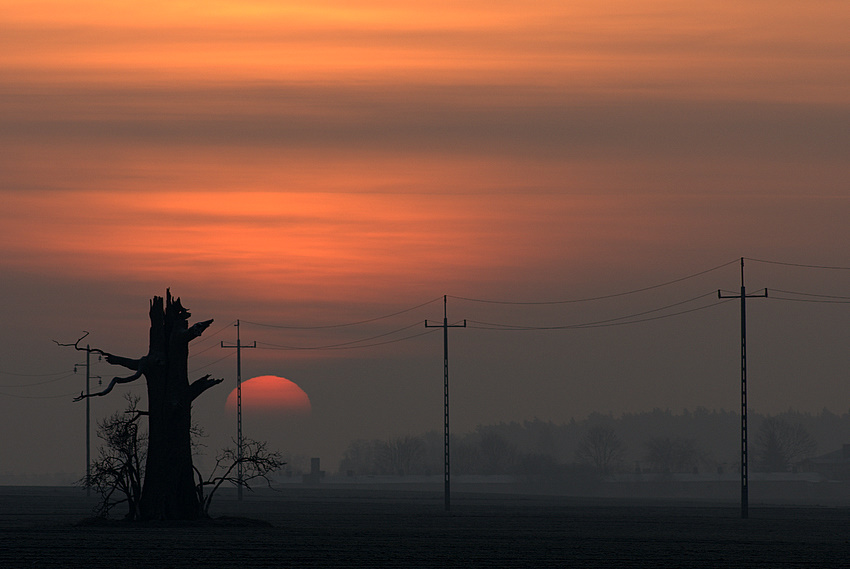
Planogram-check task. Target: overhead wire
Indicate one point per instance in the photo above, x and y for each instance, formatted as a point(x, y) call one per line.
point(810, 297)
point(339, 345)
point(207, 337)
point(801, 265)
point(229, 355)
point(343, 325)
point(18, 396)
point(66, 376)
point(616, 321)
point(369, 341)
point(32, 374)
point(811, 294)
point(207, 349)
point(346, 347)
point(603, 297)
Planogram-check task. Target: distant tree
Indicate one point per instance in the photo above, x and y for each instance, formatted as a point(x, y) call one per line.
point(116, 475)
point(400, 455)
point(465, 456)
point(496, 454)
point(672, 455)
point(435, 447)
point(779, 444)
point(358, 458)
point(602, 449)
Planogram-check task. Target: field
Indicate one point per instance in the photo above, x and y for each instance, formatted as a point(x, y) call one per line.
point(373, 527)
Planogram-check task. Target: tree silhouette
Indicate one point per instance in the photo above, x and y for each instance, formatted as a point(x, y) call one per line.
point(256, 459)
point(168, 491)
point(116, 475)
point(400, 455)
point(779, 444)
point(673, 455)
point(601, 448)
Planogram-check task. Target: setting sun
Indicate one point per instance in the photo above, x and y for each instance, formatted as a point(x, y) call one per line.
point(270, 393)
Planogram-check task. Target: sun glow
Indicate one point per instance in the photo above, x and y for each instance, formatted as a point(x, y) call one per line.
point(271, 394)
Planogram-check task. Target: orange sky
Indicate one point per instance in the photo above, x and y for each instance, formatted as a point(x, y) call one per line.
point(311, 163)
point(712, 50)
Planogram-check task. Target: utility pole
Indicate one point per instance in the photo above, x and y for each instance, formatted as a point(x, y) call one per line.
point(447, 464)
point(238, 347)
point(88, 416)
point(744, 464)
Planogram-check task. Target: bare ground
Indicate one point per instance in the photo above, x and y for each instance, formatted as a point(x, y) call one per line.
point(368, 527)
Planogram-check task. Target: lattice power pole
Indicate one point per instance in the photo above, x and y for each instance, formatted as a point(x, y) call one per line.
point(447, 463)
point(239, 347)
point(744, 463)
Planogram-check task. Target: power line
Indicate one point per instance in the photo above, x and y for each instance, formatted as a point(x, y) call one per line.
point(31, 374)
point(350, 344)
point(356, 323)
point(824, 298)
point(809, 300)
point(607, 296)
point(207, 349)
point(17, 396)
point(800, 265)
point(193, 370)
point(66, 376)
point(616, 321)
point(208, 337)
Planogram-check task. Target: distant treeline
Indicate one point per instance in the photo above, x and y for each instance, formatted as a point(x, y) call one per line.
point(658, 441)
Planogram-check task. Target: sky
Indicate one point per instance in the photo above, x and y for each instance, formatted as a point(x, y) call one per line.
point(326, 172)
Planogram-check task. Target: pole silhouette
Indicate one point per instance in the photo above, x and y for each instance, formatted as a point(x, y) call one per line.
point(744, 451)
point(238, 347)
point(87, 395)
point(446, 447)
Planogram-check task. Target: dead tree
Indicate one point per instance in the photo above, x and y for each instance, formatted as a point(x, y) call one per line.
point(168, 491)
point(255, 458)
point(117, 473)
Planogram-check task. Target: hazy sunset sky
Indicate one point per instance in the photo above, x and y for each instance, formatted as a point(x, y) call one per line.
point(298, 166)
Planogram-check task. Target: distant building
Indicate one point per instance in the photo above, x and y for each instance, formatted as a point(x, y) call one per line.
point(316, 474)
point(833, 465)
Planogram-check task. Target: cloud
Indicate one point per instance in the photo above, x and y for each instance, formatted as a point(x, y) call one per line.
point(467, 119)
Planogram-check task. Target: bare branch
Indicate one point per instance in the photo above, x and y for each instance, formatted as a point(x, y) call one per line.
point(257, 461)
point(113, 383)
point(128, 363)
point(138, 414)
point(200, 385)
point(198, 328)
point(76, 345)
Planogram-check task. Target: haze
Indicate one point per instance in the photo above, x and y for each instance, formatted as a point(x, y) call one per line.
point(297, 167)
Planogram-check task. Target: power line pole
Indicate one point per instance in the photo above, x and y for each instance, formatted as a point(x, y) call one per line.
point(447, 464)
point(88, 416)
point(744, 463)
point(238, 347)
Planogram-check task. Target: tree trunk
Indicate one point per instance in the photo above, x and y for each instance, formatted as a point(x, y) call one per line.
point(169, 485)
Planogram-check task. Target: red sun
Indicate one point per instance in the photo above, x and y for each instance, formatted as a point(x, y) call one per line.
point(271, 394)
